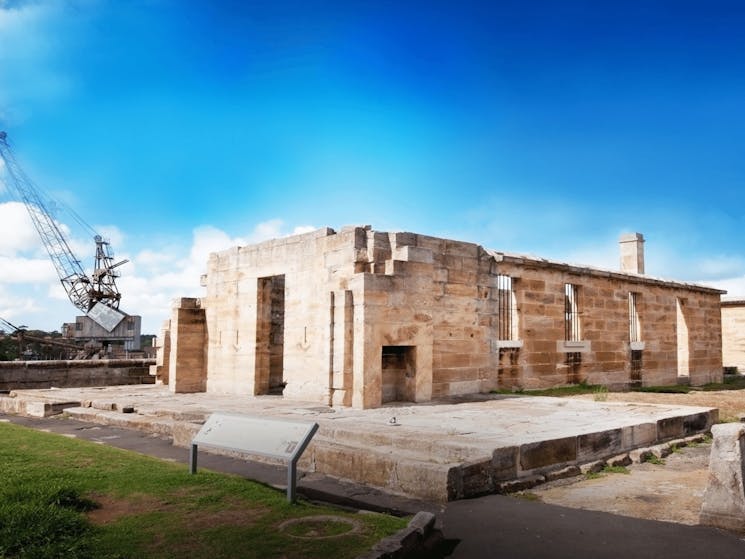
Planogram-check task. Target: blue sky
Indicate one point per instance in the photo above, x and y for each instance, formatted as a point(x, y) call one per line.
point(547, 128)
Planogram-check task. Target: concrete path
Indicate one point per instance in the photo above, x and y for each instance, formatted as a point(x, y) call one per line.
point(498, 526)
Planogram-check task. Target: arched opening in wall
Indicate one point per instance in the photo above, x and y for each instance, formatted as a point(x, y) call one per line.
point(682, 341)
point(398, 364)
point(270, 335)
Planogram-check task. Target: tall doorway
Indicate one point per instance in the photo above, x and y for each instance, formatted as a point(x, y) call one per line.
point(270, 335)
point(682, 342)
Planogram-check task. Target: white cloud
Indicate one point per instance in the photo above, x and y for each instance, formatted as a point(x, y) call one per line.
point(735, 286)
point(722, 266)
point(26, 270)
point(300, 229)
point(274, 229)
point(17, 232)
point(30, 291)
point(156, 278)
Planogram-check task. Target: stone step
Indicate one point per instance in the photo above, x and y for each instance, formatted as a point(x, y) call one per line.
point(383, 467)
point(403, 439)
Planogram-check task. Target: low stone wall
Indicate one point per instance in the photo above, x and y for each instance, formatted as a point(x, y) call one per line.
point(19, 375)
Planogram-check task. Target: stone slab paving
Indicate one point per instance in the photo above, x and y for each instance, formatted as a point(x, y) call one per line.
point(435, 451)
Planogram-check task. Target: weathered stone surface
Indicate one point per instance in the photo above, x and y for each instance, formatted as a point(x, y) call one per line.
point(435, 452)
point(698, 422)
point(670, 428)
point(593, 467)
point(597, 445)
point(547, 453)
point(504, 463)
point(520, 484)
point(724, 499)
point(620, 460)
point(569, 471)
point(639, 435)
point(361, 318)
point(20, 375)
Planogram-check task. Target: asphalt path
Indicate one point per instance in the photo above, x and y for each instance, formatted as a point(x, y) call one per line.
point(487, 527)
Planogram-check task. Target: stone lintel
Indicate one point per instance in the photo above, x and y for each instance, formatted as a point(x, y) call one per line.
point(565, 346)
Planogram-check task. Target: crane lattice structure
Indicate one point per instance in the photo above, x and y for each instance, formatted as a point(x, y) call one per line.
point(97, 296)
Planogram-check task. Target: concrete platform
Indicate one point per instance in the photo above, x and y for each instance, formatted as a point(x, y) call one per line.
point(435, 451)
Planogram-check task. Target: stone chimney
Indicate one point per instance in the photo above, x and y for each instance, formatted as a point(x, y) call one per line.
point(632, 253)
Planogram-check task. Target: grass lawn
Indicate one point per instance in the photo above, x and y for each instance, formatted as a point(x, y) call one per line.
point(730, 382)
point(71, 499)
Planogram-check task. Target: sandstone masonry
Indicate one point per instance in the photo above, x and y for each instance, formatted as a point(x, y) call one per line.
point(362, 318)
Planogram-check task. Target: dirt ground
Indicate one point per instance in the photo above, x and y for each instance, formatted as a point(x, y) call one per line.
point(671, 492)
point(730, 402)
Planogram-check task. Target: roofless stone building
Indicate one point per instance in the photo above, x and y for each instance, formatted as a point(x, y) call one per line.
point(362, 318)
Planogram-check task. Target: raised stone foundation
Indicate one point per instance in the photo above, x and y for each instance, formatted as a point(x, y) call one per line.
point(437, 452)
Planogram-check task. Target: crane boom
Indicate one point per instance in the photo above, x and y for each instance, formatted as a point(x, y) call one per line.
point(97, 297)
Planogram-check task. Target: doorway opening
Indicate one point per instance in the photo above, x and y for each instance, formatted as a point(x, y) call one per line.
point(399, 373)
point(682, 341)
point(270, 335)
point(636, 368)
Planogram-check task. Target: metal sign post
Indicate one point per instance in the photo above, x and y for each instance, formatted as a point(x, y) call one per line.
point(275, 438)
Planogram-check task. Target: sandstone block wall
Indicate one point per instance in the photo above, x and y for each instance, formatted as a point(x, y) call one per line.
point(361, 317)
point(188, 336)
point(19, 375)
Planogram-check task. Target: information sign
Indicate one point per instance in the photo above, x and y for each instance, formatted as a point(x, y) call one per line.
point(275, 438)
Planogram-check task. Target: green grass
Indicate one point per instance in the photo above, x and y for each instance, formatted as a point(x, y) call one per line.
point(607, 469)
point(68, 498)
point(600, 393)
point(672, 389)
point(569, 390)
point(527, 496)
point(654, 459)
point(731, 382)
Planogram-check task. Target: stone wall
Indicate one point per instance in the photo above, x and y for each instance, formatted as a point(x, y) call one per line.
point(19, 375)
point(187, 367)
point(733, 333)
point(361, 317)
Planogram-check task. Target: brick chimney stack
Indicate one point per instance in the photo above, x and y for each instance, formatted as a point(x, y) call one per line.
point(632, 253)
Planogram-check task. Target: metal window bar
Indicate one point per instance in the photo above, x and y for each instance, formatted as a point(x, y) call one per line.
point(571, 313)
point(504, 308)
point(633, 318)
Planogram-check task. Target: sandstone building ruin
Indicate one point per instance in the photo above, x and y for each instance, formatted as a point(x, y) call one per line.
point(362, 318)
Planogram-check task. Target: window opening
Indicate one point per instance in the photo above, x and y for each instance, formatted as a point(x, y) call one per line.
point(634, 325)
point(571, 313)
point(506, 311)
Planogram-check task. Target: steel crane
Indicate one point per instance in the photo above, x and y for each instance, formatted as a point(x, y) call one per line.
point(96, 295)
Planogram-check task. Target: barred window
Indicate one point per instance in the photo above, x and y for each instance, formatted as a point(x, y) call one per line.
point(506, 309)
point(634, 324)
point(572, 331)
